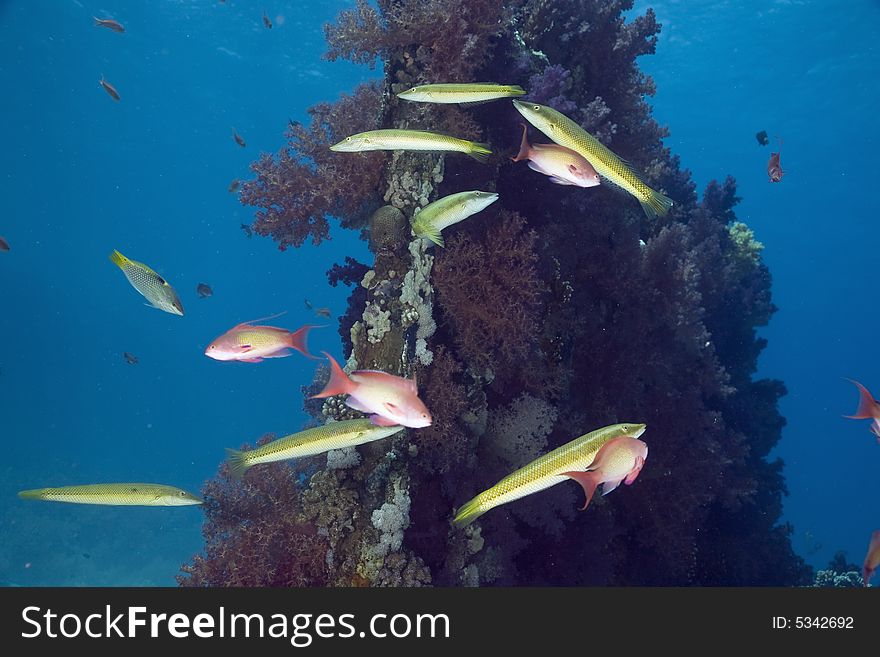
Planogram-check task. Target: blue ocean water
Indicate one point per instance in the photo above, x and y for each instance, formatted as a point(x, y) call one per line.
point(81, 175)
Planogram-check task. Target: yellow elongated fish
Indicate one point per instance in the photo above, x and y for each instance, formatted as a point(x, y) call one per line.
point(442, 213)
point(410, 140)
point(465, 94)
point(153, 287)
point(545, 471)
point(115, 495)
point(611, 167)
point(333, 435)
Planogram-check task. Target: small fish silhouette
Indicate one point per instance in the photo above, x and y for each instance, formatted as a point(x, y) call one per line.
point(238, 139)
point(233, 186)
point(131, 359)
point(109, 88)
point(762, 138)
point(266, 20)
point(109, 23)
point(247, 230)
point(204, 290)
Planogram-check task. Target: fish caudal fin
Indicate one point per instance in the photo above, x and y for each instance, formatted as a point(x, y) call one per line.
point(298, 340)
point(118, 259)
point(589, 481)
point(339, 382)
point(867, 406)
point(480, 152)
point(656, 204)
point(237, 463)
point(468, 512)
point(524, 146)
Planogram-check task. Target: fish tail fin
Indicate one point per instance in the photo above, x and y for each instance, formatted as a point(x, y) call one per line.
point(468, 512)
point(867, 406)
point(237, 462)
point(339, 382)
point(589, 481)
point(479, 151)
point(656, 204)
point(118, 259)
point(35, 494)
point(524, 146)
point(298, 340)
point(517, 90)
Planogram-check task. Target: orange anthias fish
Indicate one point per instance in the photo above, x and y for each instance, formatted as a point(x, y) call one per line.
point(872, 559)
point(109, 22)
point(390, 399)
point(774, 168)
point(238, 139)
point(247, 343)
point(109, 88)
point(869, 409)
point(563, 165)
point(620, 459)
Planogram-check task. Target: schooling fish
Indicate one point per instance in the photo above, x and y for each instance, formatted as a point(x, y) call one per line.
point(608, 165)
point(109, 88)
point(869, 409)
point(552, 468)
point(391, 399)
point(442, 213)
point(115, 495)
point(251, 344)
point(4, 245)
point(238, 139)
point(872, 559)
point(154, 288)
point(131, 359)
point(204, 290)
point(266, 21)
point(110, 23)
point(464, 94)
point(334, 435)
point(563, 165)
point(774, 168)
point(410, 140)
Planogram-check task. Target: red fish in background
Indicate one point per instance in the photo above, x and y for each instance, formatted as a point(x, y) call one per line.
point(620, 459)
point(872, 559)
point(109, 22)
point(774, 168)
point(869, 409)
point(4, 245)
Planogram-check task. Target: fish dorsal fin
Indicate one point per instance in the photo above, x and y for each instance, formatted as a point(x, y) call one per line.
point(415, 384)
point(261, 319)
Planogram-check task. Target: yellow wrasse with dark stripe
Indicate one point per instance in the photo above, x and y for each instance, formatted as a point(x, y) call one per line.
point(465, 94)
point(411, 140)
point(155, 289)
point(333, 435)
point(611, 167)
point(545, 471)
point(442, 213)
point(115, 495)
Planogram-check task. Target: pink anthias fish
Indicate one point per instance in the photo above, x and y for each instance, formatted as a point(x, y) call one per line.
point(869, 409)
point(563, 165)
point(872, 559)
point(620, 459)
point(247, 343)
point(388, 398)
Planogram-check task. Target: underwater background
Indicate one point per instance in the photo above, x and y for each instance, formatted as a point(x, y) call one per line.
point(149, 175)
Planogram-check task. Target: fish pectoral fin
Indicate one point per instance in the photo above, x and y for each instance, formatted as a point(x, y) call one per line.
point(560, 181)
point(631, 477)
point(589, 481)
point(433, 234)
point(381, 421)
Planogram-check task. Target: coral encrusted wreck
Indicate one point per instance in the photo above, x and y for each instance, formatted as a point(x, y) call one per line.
point(556, 311)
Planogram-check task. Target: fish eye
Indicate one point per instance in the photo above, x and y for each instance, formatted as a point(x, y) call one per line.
point(625, 428)
point(537, 108)
point(182, 493)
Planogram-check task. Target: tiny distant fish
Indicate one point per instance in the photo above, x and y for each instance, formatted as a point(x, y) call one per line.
point(308, 304)
point(109, 88)
point(115, 495)
point(774, 168)
point(233, 186)
point(238, 139)
point(762, 138)
point(410, 140)
point(292, 124)
point(153, 287)
point(247, 230)
point(266, 20)
point(561, 164)
point(109, 22)
point(131, 359)
point(4, 245)
point(204, 290)
point(464, 94)
point(322, 312)
point(444, 212)
point(872, 559)
point(247, 343)
point(317, 440)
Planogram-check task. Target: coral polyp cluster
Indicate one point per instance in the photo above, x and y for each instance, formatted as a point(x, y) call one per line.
point(553, 312)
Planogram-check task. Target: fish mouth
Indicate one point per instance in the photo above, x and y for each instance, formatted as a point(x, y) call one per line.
point(638, 433)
